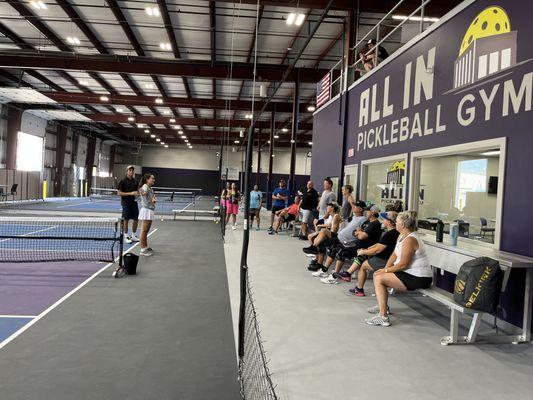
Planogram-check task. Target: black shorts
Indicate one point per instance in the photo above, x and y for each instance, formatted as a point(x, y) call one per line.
point(412, 282)
point(130, 211)
point(377, 262)
point(276, 208)
point(328, 244)
point(290, 218)
point(343, 253)
point(254, 212)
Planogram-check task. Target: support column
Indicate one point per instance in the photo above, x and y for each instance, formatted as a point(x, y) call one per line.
point(350, 34)
point(112, 152)
point(14, 120)
point(89, 161)
point(294, 133)
point(61, 146)
point(270, 158)
point(258, 173)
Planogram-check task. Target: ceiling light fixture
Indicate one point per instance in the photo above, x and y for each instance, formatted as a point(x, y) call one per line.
point(140, 125)
point(73, 40)
point(291, 18)
point(152, 11)
point(180, 132)
point(159, 100)
point(295, 19)
point(285, 130)
point(276, 136)
point(183, 137)
point(162, 143)
point(190, 147)
point(293, 141)
point(414, 18)
point(83, 82)
point(172, 120)
point(104, 98)
point(299, 20)
point(147, 131)
point(166, 112)
point(149, 86)
point(165, 46)
point(311, 108)
point(236, 141)
point(152, 136)
point(310, 143)
point(119, 109)
point(166, 146)
point(186, 141)
point(158, 140)
point(131, 119)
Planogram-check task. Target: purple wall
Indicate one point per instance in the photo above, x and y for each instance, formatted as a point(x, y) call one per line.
point(186, 178)
point(516, 127)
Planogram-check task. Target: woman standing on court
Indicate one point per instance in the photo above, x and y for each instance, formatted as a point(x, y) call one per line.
point(233, 205)
point(146, 215)
point(224, 196)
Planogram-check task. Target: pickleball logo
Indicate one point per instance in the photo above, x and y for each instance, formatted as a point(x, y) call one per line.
point(488, 47)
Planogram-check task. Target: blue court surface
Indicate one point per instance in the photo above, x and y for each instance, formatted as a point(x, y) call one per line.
point(11, 324)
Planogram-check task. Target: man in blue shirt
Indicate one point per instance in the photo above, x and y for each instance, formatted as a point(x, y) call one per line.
point(256, 201)
point(280, 196)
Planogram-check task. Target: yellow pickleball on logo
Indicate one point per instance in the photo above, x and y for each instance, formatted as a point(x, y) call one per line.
point(490, 22)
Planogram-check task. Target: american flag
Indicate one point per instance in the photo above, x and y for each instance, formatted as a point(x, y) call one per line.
point(322, 90)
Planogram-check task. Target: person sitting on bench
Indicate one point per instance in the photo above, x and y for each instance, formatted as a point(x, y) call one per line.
point(365, 237)
point(407, 268)
point(288, 214)
point(331, 224)
point(375, 257)
point(345, 238)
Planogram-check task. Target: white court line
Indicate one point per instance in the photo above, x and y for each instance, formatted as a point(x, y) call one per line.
point(31, 233)
point(62, 299)
point(18, 316)
point(85, 202)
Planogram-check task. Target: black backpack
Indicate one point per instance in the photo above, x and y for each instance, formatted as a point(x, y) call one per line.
point(478, 285)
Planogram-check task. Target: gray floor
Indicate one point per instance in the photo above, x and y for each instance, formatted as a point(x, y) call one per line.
point(164, 334)
point(319, 347)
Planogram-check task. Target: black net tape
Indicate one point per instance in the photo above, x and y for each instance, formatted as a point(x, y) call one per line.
point(254, 375)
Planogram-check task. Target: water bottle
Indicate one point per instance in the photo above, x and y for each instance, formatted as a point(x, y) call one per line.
point(440, 231)
point(454, 233)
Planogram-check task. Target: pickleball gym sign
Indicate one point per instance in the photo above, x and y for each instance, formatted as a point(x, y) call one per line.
point(470, 77)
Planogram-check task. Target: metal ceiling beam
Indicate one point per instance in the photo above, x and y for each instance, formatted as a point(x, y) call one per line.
point(144, 66)
point(114, 118)
point(163, 133)
point(200, 142)
point(149, 101)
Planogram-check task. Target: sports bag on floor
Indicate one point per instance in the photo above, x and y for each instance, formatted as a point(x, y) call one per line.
point(478, 284)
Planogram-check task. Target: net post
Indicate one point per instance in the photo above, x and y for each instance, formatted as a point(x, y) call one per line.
point(121, 244)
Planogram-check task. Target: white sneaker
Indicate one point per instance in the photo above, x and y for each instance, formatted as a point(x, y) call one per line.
point(320, 274)
point(134, 238)
point(127, 240)
point(378, 320)
point(375, 310)
point(329, 280)
point(147, 252)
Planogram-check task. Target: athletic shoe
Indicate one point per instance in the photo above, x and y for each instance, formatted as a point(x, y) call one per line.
point(329, 280)
point(134, 238)
point(378, 320)
point(127, 240)
point(313, 262)
point(345, 276)
point(257, 229)
point(272, 232)
point(324, 268)
point(375, 310)
point(358, 292)
point(315, 267)
point(310, 250)
point(320, 274)
point(147, 252)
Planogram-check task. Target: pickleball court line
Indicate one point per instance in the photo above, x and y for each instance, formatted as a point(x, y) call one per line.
point(31, 233)
point(17, 316)
point(62, 299)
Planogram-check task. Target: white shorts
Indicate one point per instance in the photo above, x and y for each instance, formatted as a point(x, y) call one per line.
point(305, 214)
point(146, 214)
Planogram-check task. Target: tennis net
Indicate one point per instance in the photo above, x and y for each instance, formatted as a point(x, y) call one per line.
point(29, 239)
point(162, 194)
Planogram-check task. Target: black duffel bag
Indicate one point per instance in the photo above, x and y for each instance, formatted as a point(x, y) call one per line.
point(478, 284)
point(130, 263)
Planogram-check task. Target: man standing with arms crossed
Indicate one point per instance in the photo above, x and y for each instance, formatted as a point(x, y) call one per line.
point(127, 190)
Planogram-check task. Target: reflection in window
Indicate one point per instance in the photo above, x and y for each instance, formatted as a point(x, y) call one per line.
point(471, 177)
point(385, 184)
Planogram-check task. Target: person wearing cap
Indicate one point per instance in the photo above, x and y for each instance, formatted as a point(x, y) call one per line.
point(326, 231)
point(344, 239)
point(374, 257)
point(288, 214)
point(367, 235)
point(280, 196)
point(127, 189)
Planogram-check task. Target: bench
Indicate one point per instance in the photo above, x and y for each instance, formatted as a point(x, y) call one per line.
point(213, 212)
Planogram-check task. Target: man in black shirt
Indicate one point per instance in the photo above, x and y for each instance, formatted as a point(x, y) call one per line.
point(308, 206)
point(127, 190)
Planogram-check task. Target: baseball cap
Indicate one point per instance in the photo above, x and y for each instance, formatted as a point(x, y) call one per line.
point(372, 41)
point(334, 205)
point(374, 208)
point(130, 167)
point(360, 203)
point(390, 215)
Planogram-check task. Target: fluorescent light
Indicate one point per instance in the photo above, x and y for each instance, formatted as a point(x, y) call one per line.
point(149, 86)
point(158, 140)
point(414, 18)
point(175, 127)
point(186, 141)
point(152, 136)
point(241, 133)
point(104, 98)
point(180, 132)
point(166, 146)
point(165, 46)
point(236, 141)
point(131, 119)
point(248, 116)
point(276, 136)
point(147, 131)
point(73, 40)
point(299, 20)
point(119, 109)
point(166, 112)
point(152, 11)
point(311, 108)
point(83, 82)
point(190, 147)
point(162, 143)
point(139, 125)
point(285, 130)
point(159, 100)
point(172, 120)
point(268, 141)
point(491, 153)
point(38, 5)
point(293, 141)
point(183, 137)
point(290, 18)
point(310, 143)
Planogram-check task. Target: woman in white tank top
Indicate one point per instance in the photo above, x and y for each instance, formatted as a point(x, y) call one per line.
point(407, 268)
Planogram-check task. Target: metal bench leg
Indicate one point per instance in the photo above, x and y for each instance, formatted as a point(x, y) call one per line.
point(454, 329)
point(474, 327)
